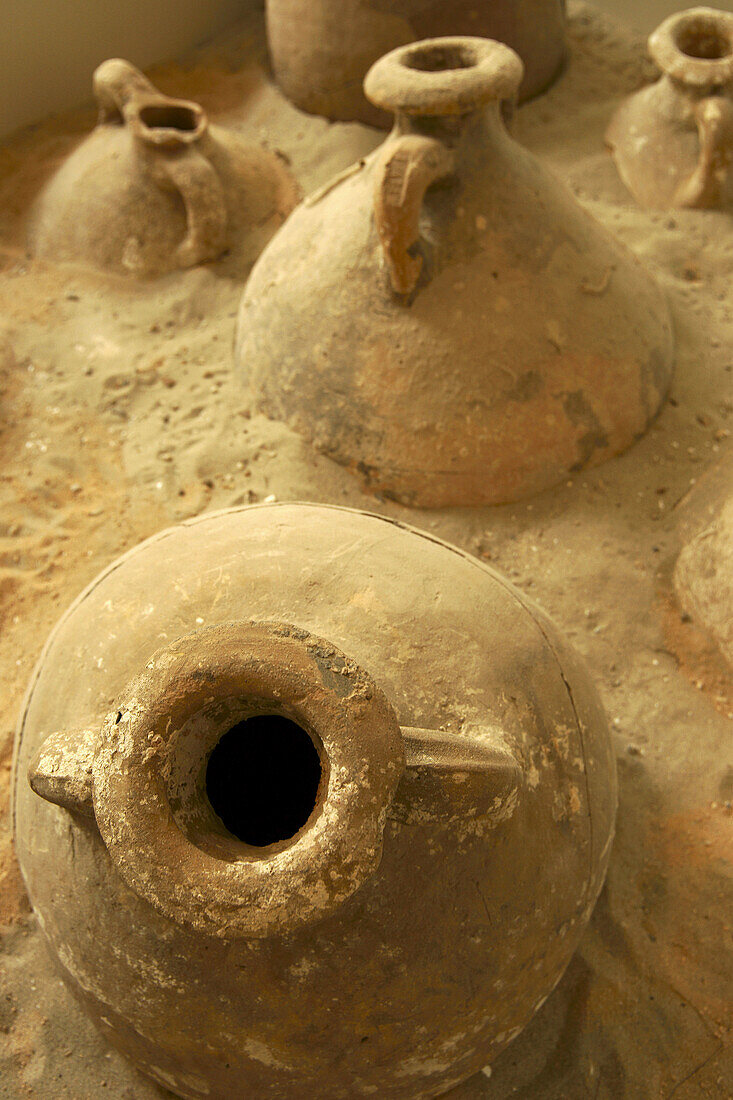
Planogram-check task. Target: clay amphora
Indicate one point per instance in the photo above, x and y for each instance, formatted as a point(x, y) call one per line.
point(703, 579)
point(445, 319)
point(320, 806)
point(321, 49)
point(154, 187)
point(673, 141)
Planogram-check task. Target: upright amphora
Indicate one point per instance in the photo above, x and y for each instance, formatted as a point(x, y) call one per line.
point(154, 187)
point(444, 318)
point(321, 50)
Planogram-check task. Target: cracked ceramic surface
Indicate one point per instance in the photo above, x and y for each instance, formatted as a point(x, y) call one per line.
point(446, 864)
point(444, 318)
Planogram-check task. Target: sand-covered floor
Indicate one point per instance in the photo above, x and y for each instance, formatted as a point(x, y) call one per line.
point(121, 414)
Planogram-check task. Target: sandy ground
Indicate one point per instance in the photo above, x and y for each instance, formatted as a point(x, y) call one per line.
point(121, 414)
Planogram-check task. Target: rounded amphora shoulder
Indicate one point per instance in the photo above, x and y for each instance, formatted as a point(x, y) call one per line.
point(272, 758)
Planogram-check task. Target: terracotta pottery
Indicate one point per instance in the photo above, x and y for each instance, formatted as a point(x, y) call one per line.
point(155, 188)
point(673, 141)
point(703, 579)
point(340, 835)
point(321, 49)
point(444, 318)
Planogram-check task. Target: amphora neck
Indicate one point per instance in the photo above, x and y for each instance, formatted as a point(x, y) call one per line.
point(694, 50)
point(126, 96)
point(243, 783)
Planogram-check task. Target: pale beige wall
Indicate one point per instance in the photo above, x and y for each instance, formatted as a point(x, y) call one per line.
point(645, 15)
point(49, 48)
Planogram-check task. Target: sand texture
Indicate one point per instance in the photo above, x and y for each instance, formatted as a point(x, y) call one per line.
point(121, 414)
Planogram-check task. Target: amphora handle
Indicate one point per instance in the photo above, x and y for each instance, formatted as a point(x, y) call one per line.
point(710, 181)
point(429, 80)
point(405, 168)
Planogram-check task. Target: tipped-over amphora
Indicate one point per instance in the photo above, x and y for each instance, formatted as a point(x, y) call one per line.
point(310, 806)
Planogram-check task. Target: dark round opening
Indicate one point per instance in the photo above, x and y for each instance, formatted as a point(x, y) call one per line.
point(704, 40)
point(169, 117)
point(262, 779)
point(435, 59)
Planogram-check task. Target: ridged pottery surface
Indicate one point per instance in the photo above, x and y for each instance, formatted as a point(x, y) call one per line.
point(155, 188)
point(447, 864)
point(673, 142)
point(444, 318)
point(321, 49)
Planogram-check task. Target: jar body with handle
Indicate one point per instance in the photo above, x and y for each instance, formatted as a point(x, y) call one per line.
point(445, 319)
point(155, 188)
point(453, 825)
point(673, 141)
point(322, 49)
